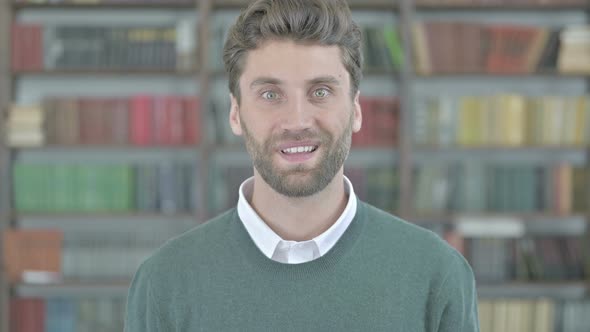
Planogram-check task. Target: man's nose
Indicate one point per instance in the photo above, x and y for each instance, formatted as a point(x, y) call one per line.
point(298, 115)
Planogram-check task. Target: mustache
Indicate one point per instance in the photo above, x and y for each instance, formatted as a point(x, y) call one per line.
point(297, 136)
point(302, 135)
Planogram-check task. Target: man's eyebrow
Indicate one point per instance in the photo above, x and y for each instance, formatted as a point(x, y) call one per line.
point(324, 80)
point(265, 80)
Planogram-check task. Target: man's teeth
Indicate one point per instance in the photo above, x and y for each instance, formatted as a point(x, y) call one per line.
point(299, 149)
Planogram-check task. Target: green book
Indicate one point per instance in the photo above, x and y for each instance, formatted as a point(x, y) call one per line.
point(63, 188)
point(394, 46)
point(23, 197)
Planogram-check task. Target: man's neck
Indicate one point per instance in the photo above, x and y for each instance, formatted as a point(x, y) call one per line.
point(299, 219)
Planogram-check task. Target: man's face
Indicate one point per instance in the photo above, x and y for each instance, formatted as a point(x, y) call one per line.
point(296, 115)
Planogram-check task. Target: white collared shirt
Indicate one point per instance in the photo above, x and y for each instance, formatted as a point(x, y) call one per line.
point(292, 252)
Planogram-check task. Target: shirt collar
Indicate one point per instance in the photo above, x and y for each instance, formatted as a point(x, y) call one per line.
point(267, 240)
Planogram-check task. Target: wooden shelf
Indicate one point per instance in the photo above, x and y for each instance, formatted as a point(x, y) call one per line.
point(548, 74)
point(530, 154)
point(108, 72)
point(73, 289)
point(518, 225)
point(105, 154)
point(107, 215)
point(509, 225)
point(501, 7)
point(354, 4)
point(100, 222)
point(106, 5)
point(105, 148)
point(423, 155)
point(226, 156)
point(556, 291)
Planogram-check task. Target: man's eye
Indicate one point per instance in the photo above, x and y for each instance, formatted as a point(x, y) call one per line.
point(270, 95)
point(321, 93)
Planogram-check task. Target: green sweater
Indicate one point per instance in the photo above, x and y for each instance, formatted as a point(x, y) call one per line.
point(383, 274)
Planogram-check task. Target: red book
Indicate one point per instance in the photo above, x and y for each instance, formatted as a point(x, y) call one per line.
point(36, 48)
point(174, 121)
point(511, 48)
point(142, 121)
point(16, 52)
point(91, 121)
point(26, 47)
point(441, 43)
point(192, 121)
point(159, 134)
point(27, 315)
point(117, 121)
point(385, 121)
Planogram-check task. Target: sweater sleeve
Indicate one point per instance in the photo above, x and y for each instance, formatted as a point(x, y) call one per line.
point(142, 313)
point(456, 302)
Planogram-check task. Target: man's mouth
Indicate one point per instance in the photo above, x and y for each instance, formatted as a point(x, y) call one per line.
point(299, 149)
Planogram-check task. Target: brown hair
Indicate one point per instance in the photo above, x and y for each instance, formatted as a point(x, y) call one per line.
point(325, 22)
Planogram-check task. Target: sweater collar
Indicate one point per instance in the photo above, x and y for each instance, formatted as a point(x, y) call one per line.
point(267, 240)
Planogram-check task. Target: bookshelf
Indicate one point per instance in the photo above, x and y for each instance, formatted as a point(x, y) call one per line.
point(5, 97)
point(217, 160)
point(521, 243)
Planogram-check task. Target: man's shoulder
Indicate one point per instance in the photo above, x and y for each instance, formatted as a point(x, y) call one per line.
point(399, 235)
point(196, 243)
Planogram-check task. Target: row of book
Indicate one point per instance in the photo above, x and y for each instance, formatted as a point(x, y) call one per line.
point(456, 187)
point(539, 315)
point(461, 47)
point(545, 259)
point(109, 254)
point(138, 120)
point(418, 2)
point(86, 2)
point(510, 120)
point(484, 3)
point(58, 314)
point(107, 315)
point(166, 187)
point(439, 47)
point(480, 187)
point(381, 116)
point(52, 255)
point(377, 185)
point(37, 47)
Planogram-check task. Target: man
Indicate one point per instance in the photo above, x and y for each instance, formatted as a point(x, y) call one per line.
point(300, 252)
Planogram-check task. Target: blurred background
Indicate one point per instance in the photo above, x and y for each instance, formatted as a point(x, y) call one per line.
point(114, 138)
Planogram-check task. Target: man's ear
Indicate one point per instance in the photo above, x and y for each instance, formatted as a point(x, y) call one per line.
point(358, 115)
point(234, 116)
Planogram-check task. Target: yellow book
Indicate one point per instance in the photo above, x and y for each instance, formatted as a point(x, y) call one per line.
point(512, 119)
point(485, 120)
point(513, 316)
point(544, 316)
point(486, 318)
point(552, 120)
point(500, 316)
point(494, 128)
point(423, 63)
point(527, 311)
point(532, 122)
point(580, 123)
point(465, 134)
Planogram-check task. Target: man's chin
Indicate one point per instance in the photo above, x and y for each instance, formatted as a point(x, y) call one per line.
point(296, 184)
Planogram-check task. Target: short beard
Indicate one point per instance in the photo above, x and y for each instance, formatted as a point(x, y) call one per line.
point(321, 176)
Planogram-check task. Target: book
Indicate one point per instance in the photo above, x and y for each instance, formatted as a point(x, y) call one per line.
point(31, 250)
